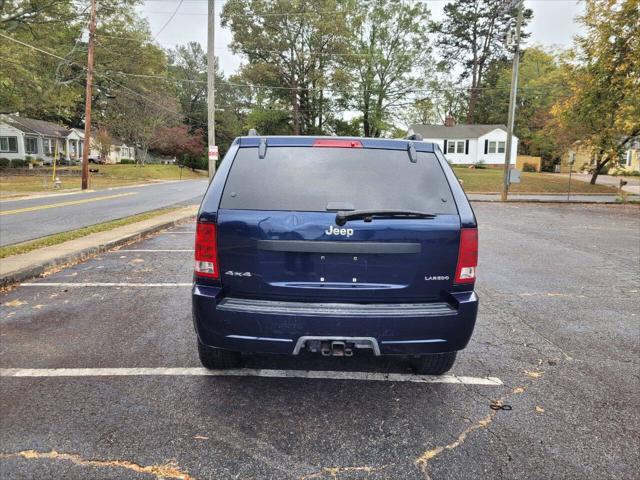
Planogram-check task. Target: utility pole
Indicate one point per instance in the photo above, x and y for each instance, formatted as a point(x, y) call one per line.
point(211, 92)
point(87, 111)
point(515, 42)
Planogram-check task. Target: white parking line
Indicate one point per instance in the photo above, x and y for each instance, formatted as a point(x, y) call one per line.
point(101, 284)
point(247, 372)
point(155, 250)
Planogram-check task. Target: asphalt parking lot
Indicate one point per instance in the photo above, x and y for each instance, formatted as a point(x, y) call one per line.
point(558, 326)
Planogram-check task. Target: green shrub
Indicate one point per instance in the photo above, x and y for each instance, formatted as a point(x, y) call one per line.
point(480, 164)
point(127, 161)
point(623, 171)
point(4, 162)
point(529, 167)
point(18, 163)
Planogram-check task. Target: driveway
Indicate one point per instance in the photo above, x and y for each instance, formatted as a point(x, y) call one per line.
point(556, 344)
point(632, 186)
point(22, 220)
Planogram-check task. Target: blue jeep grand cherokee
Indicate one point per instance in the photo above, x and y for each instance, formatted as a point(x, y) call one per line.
point(329, 245)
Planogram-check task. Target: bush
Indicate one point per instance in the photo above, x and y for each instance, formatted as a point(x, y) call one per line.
point(127, 161)
point(17, 163)
point(4, 162)
point(480, 164)
point(623, 172)
point(529, 167)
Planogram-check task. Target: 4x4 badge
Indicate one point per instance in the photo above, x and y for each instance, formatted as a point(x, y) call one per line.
point(238, 274)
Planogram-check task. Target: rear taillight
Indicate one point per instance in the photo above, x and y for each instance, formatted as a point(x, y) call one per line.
point(467, 256)
point(207, 251)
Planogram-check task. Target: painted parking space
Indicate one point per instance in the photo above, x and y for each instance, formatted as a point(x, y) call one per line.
point(100, 377)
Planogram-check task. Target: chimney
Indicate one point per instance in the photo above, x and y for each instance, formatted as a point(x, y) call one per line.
point(449, 121)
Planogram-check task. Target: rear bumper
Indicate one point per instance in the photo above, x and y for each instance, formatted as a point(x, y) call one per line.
point(259, 326)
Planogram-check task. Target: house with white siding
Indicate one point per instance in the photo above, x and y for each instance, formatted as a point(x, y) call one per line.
point(469, 144)
point(22, 137)
point(117, 152)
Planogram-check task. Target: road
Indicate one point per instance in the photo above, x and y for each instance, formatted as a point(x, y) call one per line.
point(22, 220)
point(558, 325)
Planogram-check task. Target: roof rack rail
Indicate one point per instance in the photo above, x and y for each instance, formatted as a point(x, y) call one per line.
point(253, 132)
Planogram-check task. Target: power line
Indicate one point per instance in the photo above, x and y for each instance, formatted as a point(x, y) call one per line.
point(168, 21)
point(106, 77)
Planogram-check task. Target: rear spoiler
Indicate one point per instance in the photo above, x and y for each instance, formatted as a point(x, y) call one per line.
point(255, 141)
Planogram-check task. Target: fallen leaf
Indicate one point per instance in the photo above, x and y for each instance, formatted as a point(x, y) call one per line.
point(137, 260)
point(200, 437)
point(39, 306)
point(539, 409)
point(533, 374)
point(14, 303)
point(518, 390)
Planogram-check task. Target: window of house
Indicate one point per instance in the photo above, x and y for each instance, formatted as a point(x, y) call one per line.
point(48, 145)
point(455, 146)
point(31, 144)
point(496, 147)
point(9, 144)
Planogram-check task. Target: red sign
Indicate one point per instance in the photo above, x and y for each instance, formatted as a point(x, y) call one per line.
point(213, 152)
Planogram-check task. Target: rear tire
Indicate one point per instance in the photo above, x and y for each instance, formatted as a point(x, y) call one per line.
point(434, 364)
point(217, 358)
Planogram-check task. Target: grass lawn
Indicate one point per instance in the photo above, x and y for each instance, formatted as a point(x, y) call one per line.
point(108, 176)
point(58, 238)
point(489, 180)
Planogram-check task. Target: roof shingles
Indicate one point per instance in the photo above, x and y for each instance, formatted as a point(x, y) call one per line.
point(37, 127)
point(456, 131)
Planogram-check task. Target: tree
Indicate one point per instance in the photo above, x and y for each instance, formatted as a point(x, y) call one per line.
point(293, 45)
point(391, 46)
point(188, 74)
point(472, 35)
point(135, 117)
point(602, 105)
point(540, 84)
point(31, 82)
point(103, 142)
point(179, 142)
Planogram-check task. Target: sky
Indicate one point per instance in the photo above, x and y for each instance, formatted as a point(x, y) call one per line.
point(553, 24)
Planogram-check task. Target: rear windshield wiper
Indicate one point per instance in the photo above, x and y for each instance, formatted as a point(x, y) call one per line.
point(368, 215)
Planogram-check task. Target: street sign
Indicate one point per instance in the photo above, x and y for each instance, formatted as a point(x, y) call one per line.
point(213, 152)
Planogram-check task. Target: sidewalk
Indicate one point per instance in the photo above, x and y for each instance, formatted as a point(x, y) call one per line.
point(632, 186)
point(18, 268)
point(573, 198)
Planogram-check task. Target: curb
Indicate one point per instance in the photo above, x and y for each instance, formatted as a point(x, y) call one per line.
point(557, 202)
point(33, 271)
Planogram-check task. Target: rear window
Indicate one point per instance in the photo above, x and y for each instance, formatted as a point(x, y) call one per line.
point(321, 179)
